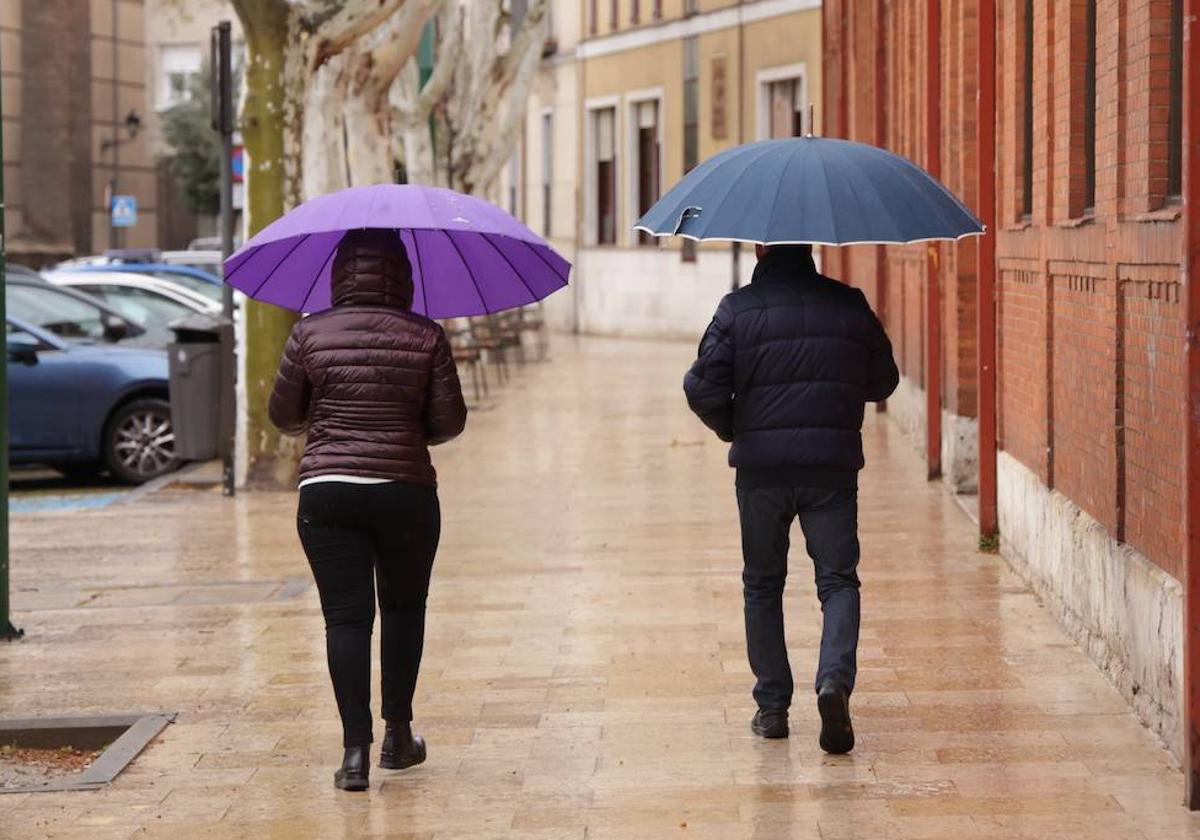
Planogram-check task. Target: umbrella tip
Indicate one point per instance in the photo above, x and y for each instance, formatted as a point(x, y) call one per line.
point(812, 111)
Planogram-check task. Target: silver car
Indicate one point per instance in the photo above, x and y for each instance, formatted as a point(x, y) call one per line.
point(147, 301)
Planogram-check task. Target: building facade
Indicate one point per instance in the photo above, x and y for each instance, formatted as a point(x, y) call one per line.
point(631, 95)
point(74, 115)
point(1087, 481)
point(177, 57)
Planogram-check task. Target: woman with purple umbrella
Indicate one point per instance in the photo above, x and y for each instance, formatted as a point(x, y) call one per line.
point(371, 379)
point(374, 386)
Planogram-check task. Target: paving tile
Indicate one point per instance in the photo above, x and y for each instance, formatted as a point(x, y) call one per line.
point(585, 674)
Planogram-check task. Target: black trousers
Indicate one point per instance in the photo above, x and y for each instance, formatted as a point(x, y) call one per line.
point(829, 519)
point(362, 540)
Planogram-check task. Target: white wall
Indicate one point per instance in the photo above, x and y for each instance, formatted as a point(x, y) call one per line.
point(649, 292)
point(1124, 611)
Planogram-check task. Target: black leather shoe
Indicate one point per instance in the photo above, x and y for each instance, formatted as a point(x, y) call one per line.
point(770, 723)
point(837, 733)
point(356, 764)
point(401, 748)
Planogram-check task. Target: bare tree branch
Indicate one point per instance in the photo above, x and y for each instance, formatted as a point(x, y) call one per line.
point(352, 20)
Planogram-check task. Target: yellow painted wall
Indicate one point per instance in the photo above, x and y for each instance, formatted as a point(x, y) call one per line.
point(777, 42)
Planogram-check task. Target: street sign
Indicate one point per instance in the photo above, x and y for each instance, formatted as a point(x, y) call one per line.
point(238, 164)
point(124, 211)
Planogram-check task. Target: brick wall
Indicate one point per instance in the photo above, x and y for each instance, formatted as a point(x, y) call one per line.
point(1151, 416)
point(1090, 326)
point(1024, 364)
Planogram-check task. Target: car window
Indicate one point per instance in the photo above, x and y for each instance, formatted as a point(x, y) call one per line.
point(144, 308)
point(193, 284)
point(56, 312)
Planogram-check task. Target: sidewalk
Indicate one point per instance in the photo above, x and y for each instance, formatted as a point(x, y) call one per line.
point(585, 673)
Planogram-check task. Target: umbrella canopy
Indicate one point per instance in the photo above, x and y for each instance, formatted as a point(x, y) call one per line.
point(814, 190)
point(469, 257)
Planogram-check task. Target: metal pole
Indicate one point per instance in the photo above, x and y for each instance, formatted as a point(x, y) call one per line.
point(223, 122)
point(1191, 568)
point(985, 306)
point(114, 240)
point(7, 631)
point(933, 298)
point(881, 113)
point(735, 255)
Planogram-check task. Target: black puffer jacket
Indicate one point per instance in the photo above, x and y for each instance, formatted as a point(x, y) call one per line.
point(373, 384)
point(784, 372)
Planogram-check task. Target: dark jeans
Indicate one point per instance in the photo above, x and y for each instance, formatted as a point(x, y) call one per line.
point(356, 535)
point(829, 519)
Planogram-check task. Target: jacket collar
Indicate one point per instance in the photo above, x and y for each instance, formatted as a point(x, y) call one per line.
point(784, 265)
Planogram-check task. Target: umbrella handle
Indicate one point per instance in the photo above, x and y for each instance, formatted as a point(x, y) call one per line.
point(688, 213)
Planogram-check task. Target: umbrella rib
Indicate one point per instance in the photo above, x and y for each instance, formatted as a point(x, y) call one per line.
point(732, 159)
point(538, 253)
point(248, 258)
point(420, 270)
point(849, 183)
point(504, 257)
point(467, 266)
point(317, 277)
point(282, 260)
point(779, 185)
point(733, 182)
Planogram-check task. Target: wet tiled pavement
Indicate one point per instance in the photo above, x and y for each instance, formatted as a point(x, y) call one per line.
point(585, 674)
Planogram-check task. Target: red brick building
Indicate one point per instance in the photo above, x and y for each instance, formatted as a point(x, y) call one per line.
point(1067, 124)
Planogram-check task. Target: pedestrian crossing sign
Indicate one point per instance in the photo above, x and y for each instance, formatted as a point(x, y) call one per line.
point(124, 211)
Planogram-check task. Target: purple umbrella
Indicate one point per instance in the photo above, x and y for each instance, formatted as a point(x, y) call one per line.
point(469, 257)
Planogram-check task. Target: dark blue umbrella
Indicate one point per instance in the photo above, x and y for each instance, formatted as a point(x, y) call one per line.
point(810, 190)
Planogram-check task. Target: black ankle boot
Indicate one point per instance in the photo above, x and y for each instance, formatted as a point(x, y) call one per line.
point(401, 748)
point(356, 765)
point(837, 733)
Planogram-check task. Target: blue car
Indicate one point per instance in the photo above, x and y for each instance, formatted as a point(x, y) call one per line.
point(82, 407)
point(192, 279)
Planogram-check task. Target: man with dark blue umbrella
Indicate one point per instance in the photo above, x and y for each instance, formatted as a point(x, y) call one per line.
point(784, 372)
point(786, 369)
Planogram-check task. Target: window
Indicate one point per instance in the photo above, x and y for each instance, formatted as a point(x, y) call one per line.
point(647, 161)
point(547, 171)
point(605, 139)
point(1027, 116)
point(691, 121)
point(691, 7)
point(782, 101)
point(1175, 113)
point(144, 308)
point(656, 11)
point(1089, 110)
point(634, 12)
point(56, 312)
point(513, 178)
point(179, 68)
point(614, 14)
point(593, 17)
point(786, 115)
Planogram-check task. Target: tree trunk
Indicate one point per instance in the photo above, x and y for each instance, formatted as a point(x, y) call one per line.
point(270, 458)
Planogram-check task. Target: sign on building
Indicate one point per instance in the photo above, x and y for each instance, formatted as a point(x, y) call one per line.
point(124, 211)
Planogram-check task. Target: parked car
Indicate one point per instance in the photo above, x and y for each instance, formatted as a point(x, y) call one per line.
point(74, 315)
point(204, 259)
point(194, 280)
point(147, 301)
point(84, 405)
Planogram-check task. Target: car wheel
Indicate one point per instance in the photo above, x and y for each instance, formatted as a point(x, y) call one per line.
point(139, 443)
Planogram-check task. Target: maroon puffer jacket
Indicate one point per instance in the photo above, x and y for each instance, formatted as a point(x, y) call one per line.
point(373, 384)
